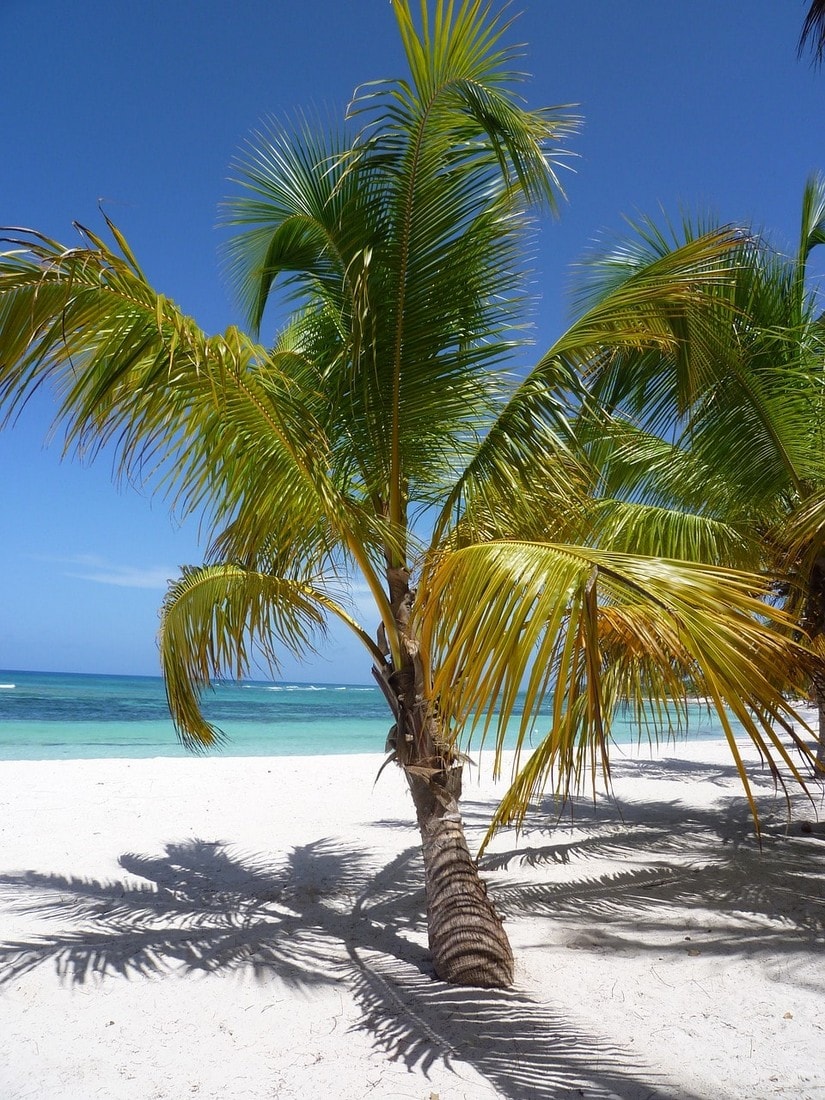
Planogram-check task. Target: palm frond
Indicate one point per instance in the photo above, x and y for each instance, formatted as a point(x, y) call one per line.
point(450, 150)
point(463, 74)
point(585, 629)
point(642, 316)
point(216, 618)
point(801, 533)
point(736, 387)
point(299, 216)
point(813, 214)
point(813, 31)
point(124, 360)
point(642, 528)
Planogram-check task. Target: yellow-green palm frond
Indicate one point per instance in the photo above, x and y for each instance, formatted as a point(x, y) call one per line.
point(643, 315)
point(451, 158)
point(512, 509)
point(406, 243)
point(398, 312)
point(813, 218)
point(463, 83)
point(527, 470)
point(648, 304)
point(216, 420)
point(801, 536)
point(303, 222)
point(637, 527)
point(579, 630)
point(741, 387)
point(797, 542)
point(123, 358)
point(217, 618)
point(630, 462)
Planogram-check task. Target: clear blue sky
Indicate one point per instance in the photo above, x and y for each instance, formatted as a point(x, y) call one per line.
point(700, 105)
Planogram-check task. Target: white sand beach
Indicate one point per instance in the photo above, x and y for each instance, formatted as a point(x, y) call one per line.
point(250, 928)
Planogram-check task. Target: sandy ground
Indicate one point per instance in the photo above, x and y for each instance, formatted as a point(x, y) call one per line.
point(252, 928)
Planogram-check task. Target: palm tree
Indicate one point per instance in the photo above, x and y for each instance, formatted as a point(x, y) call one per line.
point(732, 429)
point(383, 437)
point(813, 31)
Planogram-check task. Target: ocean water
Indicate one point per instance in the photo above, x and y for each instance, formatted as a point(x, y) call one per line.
point(52, 716)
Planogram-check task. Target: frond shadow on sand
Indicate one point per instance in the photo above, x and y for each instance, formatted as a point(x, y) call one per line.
point(319, 915)
point(327, 913)
point(644, 872)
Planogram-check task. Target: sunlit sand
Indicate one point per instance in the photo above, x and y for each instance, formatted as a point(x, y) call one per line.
point(253, 927)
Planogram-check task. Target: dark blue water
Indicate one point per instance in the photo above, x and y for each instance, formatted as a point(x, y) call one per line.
point(50, 716)
point(62, 715)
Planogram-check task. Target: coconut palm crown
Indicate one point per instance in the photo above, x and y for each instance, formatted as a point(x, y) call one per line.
point(731, 430)
point(384, 436)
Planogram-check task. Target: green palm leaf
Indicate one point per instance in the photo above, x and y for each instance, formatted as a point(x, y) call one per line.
point(741, 399)
point(505, 616)
point(429, 291)
point(641, 528)
point(641, 316)
point(130, 369)
point(216, 618)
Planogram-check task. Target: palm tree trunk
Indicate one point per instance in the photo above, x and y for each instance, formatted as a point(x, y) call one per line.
point(819, 698)
point(814, 623)
point(467, 940)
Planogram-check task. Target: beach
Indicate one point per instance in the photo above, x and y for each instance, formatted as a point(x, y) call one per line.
point(254, 927)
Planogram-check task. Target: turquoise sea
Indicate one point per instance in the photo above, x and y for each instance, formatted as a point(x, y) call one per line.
point(53, 716)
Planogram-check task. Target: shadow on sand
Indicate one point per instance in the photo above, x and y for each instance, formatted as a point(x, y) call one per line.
point(322, 914)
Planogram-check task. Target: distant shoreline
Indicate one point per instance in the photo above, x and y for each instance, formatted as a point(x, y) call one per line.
point(83, 716)
point(317, 682)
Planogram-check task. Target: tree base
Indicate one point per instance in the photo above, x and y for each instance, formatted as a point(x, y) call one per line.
point(467, 939)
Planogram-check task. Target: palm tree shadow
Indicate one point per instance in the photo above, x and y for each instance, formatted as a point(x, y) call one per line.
point(680, 867)
point(318, 916)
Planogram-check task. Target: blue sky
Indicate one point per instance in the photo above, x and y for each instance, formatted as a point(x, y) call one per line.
point(700, 106)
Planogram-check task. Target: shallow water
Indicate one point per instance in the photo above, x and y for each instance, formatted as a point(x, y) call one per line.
point(52, 716)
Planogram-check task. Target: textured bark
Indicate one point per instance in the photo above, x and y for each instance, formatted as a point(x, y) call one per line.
point(820, 750)
point(819, 698)
point(814, 623)
point(467, 940)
